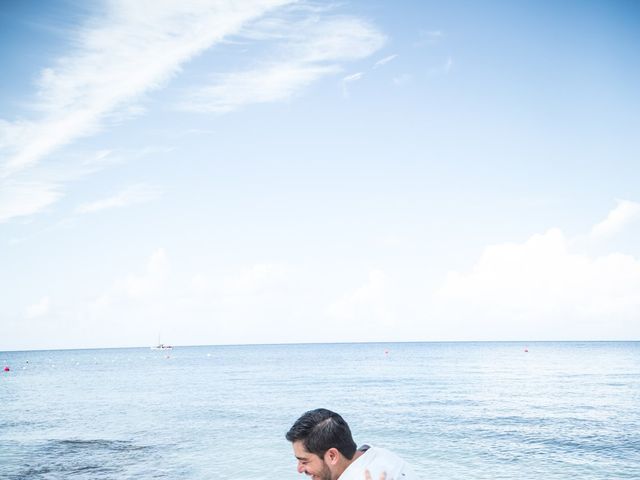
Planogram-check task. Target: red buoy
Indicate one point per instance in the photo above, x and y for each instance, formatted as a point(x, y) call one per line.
point(6, 369)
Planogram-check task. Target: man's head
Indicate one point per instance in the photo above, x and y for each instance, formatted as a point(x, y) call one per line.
point(322, 443)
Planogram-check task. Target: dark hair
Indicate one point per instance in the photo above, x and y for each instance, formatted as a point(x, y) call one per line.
point(321, 429)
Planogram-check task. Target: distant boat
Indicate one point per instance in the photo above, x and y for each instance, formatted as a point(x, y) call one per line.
point(161, 346)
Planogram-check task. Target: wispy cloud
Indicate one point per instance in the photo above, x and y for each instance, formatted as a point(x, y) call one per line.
point(134, 194)
point(304, 51)
point(21, 198)
point(348, 80)
point(353, 77)
point(36, 189)
point(384, 61)
point(128, 50)
point(133, 48)
point(428, 37)
point(268, 84)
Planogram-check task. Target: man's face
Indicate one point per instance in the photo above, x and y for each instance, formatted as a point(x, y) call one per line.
point(310, 463)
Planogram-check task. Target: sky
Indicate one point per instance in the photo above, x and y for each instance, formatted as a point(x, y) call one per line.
point(271, 171)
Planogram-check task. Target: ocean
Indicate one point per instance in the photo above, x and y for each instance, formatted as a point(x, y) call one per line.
point(453, 410)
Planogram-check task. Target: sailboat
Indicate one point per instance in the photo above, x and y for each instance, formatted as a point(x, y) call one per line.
point(161, 346)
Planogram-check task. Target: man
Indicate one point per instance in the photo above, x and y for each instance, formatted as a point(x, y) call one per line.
point(325, 450)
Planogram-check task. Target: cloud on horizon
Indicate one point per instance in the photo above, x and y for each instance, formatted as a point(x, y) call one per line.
point(213, 304)
point(544, 281)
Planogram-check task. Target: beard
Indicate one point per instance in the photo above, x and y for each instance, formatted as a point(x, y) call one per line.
point(325, 474)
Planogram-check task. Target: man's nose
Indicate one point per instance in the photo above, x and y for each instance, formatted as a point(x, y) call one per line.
point(300, 468)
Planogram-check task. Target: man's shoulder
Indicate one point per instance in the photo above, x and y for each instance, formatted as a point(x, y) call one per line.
point(378, 460)
point(380, 453)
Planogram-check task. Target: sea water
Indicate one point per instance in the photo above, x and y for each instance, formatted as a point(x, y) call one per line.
point(453, 410)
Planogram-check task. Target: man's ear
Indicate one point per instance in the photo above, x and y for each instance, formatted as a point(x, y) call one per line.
point(332, 456)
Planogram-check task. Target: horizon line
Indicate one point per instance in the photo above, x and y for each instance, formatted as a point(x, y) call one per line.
point(526, 342)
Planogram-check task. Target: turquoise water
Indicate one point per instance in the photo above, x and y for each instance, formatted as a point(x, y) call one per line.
point(454, 410)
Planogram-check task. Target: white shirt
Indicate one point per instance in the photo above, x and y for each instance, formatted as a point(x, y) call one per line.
point(378, 460)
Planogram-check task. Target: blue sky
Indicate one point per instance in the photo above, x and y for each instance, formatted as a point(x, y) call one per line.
point(277, 171)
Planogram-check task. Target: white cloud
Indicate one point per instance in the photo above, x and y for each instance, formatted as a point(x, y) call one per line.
point(518, 286)
point(134, 194)
point(306, 50)
point(384, 60)
point(39, 309)
point(617, 219)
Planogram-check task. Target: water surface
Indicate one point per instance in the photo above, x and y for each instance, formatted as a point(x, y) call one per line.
point(454, 410)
